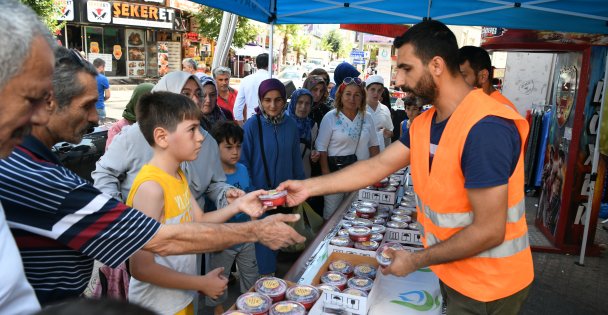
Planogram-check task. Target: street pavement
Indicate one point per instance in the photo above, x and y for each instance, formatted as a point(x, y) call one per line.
point(560, 286)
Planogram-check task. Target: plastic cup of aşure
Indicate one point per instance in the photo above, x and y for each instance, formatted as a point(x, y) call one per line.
point(334, 278)
point(342, 266)
point(307, 295)
point(274, 198)
point(383, 259)
point(359, 233)
point(254, 302)
point(365, 270)
point(274, 287)
point(287, 308)
point(361, 283)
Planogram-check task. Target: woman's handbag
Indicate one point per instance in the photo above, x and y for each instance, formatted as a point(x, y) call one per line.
point(339, 162)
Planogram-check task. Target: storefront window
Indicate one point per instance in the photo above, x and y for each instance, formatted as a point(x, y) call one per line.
point(107, 43)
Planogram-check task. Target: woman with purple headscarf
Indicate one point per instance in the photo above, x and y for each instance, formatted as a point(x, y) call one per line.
point(271, 152)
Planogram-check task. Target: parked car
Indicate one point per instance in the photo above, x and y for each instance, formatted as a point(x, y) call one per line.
point(297, 77)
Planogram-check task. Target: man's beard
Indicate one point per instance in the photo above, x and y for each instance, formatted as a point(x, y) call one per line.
point(425, 90)
point(477, 83)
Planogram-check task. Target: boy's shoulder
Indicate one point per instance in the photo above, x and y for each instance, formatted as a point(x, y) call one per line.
point(241, 168)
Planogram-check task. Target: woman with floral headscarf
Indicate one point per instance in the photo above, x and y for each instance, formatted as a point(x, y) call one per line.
point(212, 113)
point(299, 108)
point(271, 152)
point(321, 102)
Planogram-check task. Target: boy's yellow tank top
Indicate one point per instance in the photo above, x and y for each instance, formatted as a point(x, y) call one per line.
point(177, 208)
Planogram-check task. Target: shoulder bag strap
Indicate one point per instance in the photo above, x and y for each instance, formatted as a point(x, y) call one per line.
point(359, 138)
point(263, 153)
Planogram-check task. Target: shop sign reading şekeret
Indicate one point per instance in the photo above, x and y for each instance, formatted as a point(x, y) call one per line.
point(142, 15)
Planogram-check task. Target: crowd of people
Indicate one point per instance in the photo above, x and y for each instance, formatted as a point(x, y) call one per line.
point(183, 171)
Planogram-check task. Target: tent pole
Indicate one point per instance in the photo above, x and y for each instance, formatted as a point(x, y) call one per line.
point(271, 52)
point(596, 157)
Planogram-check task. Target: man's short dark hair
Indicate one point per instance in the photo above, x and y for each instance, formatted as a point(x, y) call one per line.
point(261, 61)
point(98, 62)
point(478, 58)
point(227, 131)
point(66, 84)
point(165, 110)
point(429, 39)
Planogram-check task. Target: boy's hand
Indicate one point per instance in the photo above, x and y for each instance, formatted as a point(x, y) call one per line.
point(233, 194)
point(296, 192)
point(251, 204)
point(273, 231)
point(214, 283)
point(314, 156)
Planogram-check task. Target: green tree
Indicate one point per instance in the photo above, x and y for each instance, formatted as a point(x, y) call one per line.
point(47, 11)
point(301, 43)
point(288, 31)
point(332, 42)
point(210, 22)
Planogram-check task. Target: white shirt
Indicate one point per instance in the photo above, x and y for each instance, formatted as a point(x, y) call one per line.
point(16, 294)
point(248, 94)
point(338, 135)
point(383, 120)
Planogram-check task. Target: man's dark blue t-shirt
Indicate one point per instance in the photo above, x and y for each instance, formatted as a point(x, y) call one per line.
point(490, 153)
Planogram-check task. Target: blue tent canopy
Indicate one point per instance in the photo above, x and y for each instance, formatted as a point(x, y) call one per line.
point(584, 16)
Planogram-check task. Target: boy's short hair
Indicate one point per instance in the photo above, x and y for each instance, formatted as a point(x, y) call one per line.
point(98, 62)
point(227, 131)
point(166, 110)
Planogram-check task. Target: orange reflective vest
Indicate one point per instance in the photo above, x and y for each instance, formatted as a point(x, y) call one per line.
point(502, 99)
point(444, 209)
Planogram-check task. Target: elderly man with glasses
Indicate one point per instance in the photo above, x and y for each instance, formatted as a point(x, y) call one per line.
point(226, 94)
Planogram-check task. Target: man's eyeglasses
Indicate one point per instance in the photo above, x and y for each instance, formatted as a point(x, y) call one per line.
point(351, 80)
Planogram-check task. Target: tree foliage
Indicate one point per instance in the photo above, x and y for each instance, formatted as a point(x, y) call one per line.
point(332, 42)
point(287, 31)
point(47, 11)
point(301, 43)
point(210, 22)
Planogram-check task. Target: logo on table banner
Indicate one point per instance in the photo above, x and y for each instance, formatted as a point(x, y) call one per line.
point(421, 301)
point(99, 11)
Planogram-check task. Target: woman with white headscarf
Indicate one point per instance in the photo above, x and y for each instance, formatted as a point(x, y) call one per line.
point(117, 168)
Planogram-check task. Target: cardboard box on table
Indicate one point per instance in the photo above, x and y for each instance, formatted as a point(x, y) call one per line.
point(418, 293)
point(357, 305)
point(382, 197)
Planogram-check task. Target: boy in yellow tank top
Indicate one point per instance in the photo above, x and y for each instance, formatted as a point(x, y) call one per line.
point(167, 285)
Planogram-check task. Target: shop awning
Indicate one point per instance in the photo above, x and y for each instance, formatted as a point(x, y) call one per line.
point(250, 51)
point(388, 30)
point(585, 16)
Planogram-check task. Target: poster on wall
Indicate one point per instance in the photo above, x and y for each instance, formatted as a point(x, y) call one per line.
point(106, 57)
point(136, 63)
point(566, 78)
point(169, 57)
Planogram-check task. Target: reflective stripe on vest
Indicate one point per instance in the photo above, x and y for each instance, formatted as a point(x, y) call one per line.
point(506, 249)
point(463, 219)
point(420, 206)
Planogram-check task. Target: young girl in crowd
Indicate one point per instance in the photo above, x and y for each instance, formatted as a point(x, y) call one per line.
point(347, 134)
point(271, 152)
point(299, 108)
